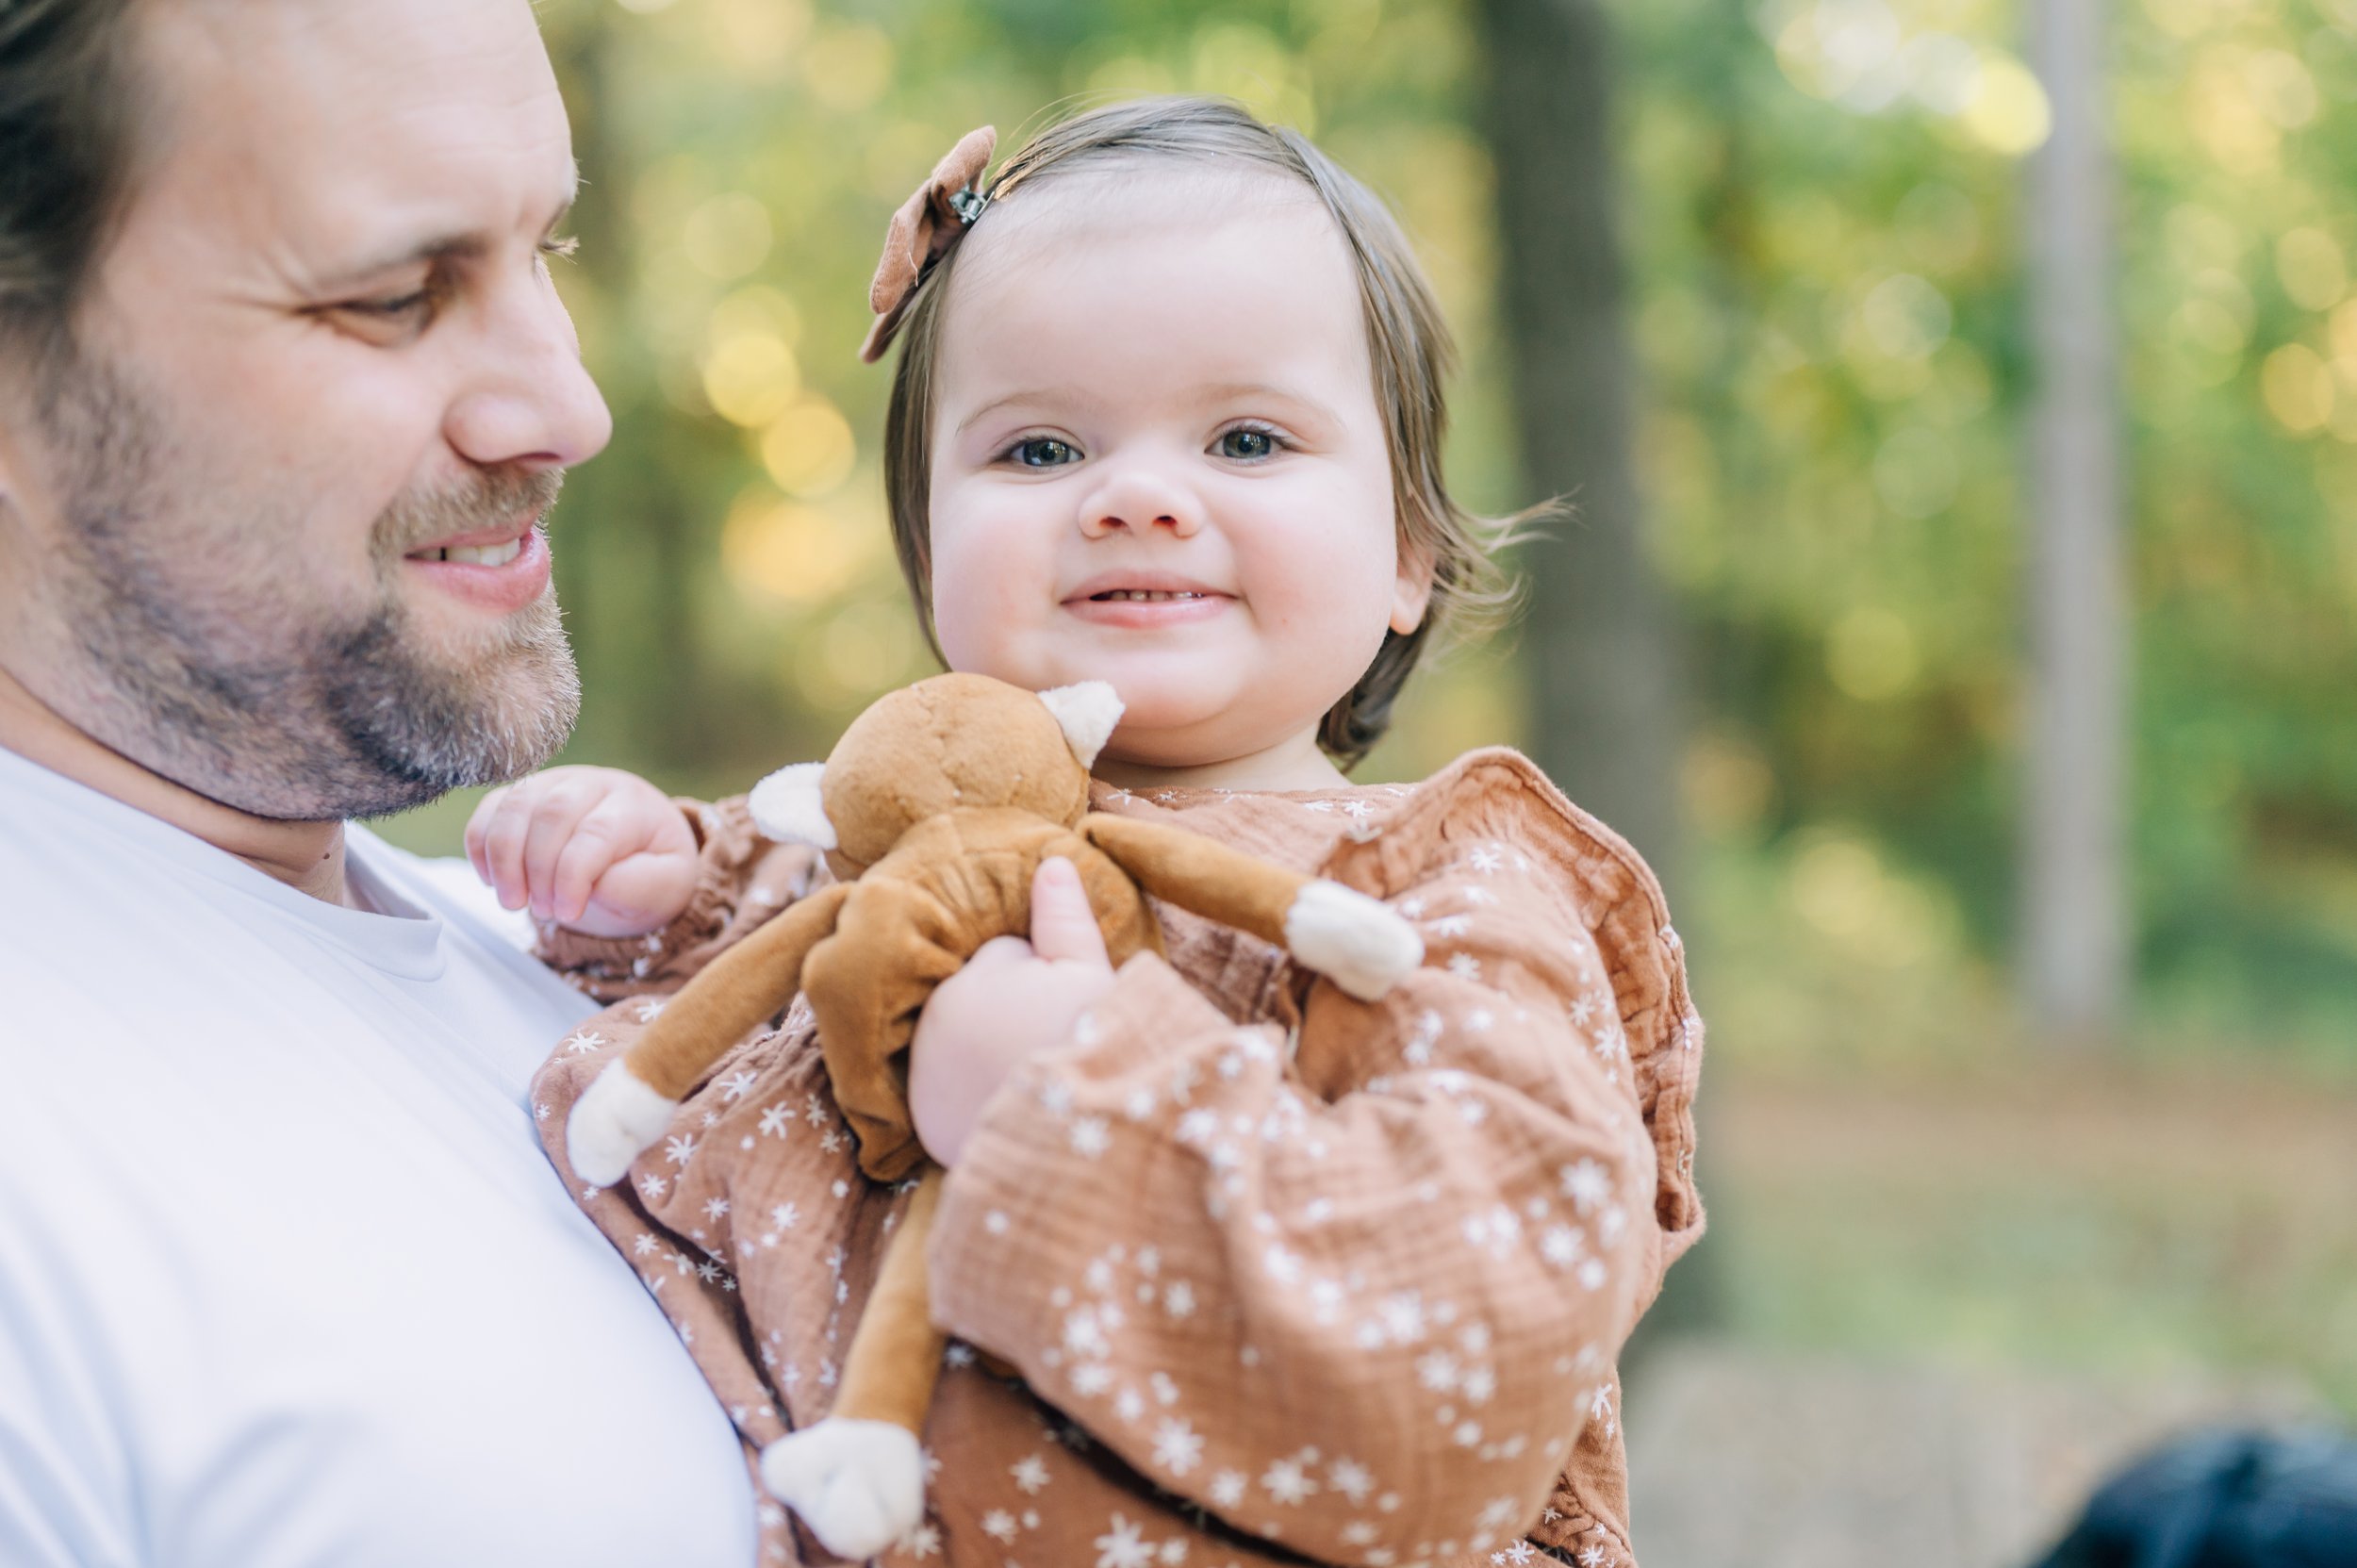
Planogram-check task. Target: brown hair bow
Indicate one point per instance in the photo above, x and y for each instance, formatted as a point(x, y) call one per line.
point(922, 232)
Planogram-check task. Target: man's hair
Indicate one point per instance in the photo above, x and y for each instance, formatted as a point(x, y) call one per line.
point(1408, 342)
point(66, 147)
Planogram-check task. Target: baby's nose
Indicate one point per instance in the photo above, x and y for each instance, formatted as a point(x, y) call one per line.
point(1136, 521)
point(1139, 503)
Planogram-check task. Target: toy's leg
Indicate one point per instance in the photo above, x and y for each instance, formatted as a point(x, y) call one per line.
point(1357, 942)
point(632, 1100)
point(858, 1478)
point(866, 986)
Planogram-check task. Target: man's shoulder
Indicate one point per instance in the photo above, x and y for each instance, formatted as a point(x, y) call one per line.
point(77, 898)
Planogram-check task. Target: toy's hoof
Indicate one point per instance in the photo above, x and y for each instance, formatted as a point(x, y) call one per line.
point(613, 1123)
point(858, 1485)
point(1358, 943)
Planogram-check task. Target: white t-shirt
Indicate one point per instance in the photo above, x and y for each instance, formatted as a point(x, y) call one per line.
point(283, 1276)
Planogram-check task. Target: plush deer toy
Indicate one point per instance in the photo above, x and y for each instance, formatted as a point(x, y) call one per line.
point(934, 809)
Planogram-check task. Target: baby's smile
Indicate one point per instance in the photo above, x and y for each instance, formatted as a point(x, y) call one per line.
point(1145, 599)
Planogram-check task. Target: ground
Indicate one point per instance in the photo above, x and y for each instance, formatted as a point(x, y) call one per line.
point(1946, 1304)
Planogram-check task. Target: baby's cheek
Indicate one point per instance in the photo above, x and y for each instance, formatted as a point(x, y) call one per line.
point(982, 636)
point(979, 596)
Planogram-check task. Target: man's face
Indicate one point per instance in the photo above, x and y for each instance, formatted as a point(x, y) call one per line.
point(273, 535)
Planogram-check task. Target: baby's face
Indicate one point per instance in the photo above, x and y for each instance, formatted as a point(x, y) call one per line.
point(1158, 461)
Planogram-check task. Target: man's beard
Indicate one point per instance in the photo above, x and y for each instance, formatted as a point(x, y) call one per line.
point(209, 662)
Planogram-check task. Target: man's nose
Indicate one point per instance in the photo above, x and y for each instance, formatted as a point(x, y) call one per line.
point(1137, 498)
point(530, 403)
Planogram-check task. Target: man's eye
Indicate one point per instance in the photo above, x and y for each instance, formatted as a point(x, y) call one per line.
point(1246, 445)
point(395, 308)
point(1044, 451)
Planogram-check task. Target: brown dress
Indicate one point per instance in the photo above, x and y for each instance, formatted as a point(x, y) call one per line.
point(1280, 1275)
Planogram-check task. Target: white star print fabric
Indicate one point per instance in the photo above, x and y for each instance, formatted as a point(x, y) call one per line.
point(1257, 1273)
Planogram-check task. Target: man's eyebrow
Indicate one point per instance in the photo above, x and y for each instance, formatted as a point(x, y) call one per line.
point(463, 246)
point(450, 247)
point(573, 182)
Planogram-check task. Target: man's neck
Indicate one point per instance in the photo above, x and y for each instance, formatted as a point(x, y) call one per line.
point(307, 856)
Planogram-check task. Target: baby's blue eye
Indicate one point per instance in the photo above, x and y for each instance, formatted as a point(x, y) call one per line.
point(1246, 445)
point(1044, 451)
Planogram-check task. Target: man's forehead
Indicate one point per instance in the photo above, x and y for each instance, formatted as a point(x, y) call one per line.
point(340, 127)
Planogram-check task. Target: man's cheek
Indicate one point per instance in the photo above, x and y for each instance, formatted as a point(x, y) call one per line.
point(365, 431)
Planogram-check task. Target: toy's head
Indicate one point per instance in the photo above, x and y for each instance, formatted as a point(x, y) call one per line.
point(954, 740)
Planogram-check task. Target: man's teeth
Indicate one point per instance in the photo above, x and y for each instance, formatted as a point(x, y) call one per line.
point(1140, 596)
point(477, 555)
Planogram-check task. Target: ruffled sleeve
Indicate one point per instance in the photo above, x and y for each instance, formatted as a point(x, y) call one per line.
point(1354, 1277)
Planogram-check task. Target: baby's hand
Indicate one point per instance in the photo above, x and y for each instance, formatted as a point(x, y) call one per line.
point(596, 849)
point(1013, 999)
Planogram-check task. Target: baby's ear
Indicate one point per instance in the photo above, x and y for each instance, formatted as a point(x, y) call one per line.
point(1086, 713)
point(786, 807)
point(1411, 592)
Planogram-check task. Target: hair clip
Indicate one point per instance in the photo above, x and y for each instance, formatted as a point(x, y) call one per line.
point(922, 231)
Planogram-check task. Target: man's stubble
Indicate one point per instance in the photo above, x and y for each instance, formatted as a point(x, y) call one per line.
point(207, 657)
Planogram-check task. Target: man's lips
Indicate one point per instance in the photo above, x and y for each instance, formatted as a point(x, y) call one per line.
point(494, 546)
point(496, 569)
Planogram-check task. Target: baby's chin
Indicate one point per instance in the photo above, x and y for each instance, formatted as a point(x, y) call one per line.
point(1175, 713)
point(1189, 737)
point(1174, 709)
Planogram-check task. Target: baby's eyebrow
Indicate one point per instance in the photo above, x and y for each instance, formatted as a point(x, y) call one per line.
point(1062, 397)
point(1245, 391)
point(1224, 391)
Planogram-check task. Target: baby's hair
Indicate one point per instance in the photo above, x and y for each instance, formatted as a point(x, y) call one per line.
point(1407, 341)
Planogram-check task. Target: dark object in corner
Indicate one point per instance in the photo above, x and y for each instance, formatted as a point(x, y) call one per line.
point(2224, 1499)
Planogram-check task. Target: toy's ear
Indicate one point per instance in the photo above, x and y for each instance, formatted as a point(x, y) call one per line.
point(1086, 713)
point(786, 807)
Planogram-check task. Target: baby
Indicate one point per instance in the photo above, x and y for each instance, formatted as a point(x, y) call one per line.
point(1268, 1272)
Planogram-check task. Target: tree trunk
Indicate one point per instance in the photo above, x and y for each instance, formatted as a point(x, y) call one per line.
point(2074, 926)
point(1600, 647)
point(1598, 644)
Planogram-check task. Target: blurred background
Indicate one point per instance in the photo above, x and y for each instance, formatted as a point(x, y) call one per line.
point(1959, 404)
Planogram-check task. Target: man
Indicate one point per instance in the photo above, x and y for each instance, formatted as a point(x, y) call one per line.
point(285, 398)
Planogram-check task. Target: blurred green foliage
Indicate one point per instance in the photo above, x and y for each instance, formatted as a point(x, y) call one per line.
point(1827, 195)
point(1822, 199)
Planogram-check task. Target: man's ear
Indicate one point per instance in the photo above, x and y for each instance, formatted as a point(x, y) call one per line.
point(1086, 713)
point(1411, 591)
point(786, 808)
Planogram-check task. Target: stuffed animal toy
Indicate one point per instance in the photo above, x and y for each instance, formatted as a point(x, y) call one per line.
point(934, 809)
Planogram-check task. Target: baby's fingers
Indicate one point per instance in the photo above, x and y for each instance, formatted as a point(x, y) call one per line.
point(570, 812)
point(507, 828)
point(479, 831)
point(599, 841)
point(542, 808)
point(506, 823)
point(1063, 925)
